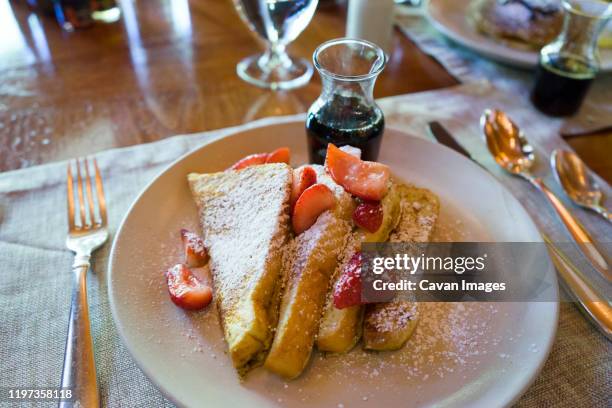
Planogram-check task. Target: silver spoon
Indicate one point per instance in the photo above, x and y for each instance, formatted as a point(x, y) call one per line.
point(512, 152)
point(578, 181)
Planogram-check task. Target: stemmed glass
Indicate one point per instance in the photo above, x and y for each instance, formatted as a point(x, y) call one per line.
point(278, 22)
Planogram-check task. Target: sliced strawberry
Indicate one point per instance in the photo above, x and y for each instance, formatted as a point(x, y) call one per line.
point(347, 291)
point(352, 150)
point(280, 155)
point(186, 291)
point(301, 181)
point(369, 215)
point(250, 160)
point(312, 202)
point(364, 179)
point(195, 252)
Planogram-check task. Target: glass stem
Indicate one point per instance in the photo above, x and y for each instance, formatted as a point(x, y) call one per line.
point(275, 57)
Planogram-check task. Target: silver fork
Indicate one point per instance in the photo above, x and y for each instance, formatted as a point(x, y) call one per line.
point(87, 231)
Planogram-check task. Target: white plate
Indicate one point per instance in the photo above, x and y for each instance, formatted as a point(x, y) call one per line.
point(183, 353)
point(449, 17)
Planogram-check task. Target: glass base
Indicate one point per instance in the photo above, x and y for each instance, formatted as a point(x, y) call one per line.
point(274, 71)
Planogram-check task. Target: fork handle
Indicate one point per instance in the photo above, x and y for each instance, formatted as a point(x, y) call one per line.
point(579, 233)
point(79, 373)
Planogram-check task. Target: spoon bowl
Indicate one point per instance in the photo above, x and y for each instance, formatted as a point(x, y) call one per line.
point(578, 181)
point(506, 142)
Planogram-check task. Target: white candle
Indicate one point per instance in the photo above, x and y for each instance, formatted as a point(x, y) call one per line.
point(371, 20)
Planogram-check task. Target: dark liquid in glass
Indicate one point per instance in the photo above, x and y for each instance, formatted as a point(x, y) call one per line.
point(345, 121)
point(560, 86)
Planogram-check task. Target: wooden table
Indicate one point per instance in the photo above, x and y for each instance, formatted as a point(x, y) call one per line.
point(167, 67)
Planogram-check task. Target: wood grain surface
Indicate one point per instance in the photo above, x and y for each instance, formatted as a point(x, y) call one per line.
point(167, 67)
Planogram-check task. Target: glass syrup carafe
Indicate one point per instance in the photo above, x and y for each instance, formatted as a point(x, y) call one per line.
point(569, 64)
point(345, 113)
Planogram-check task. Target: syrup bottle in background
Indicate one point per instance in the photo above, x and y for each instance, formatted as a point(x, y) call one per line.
point(345, 113)
point(569, 64)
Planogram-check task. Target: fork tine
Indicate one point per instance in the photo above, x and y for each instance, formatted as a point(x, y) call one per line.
point(80, 193)
point(100, 191)
point(70, 194)
point(92, 218)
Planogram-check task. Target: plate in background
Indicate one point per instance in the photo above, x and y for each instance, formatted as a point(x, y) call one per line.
point(449, 17)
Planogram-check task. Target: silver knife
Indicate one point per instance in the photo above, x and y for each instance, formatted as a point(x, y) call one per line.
point(443, 137)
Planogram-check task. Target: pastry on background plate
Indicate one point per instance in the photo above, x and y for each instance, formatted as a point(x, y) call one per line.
point(530, 22)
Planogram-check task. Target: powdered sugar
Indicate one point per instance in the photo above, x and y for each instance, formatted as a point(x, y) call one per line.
point(394, 316)
point(419, 215)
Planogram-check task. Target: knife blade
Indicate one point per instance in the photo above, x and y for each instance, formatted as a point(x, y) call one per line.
point(442, 135)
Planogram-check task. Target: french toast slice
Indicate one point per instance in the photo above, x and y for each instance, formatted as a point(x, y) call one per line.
point(340, 329)
point(308, 263)
point(387, 326)
point(244, 219)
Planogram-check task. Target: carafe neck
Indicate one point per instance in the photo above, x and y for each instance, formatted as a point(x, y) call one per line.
point(583, 23)
point(362, 89)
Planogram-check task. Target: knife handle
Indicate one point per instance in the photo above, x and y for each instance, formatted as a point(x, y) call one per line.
point(575, 228)
point(592, 302)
